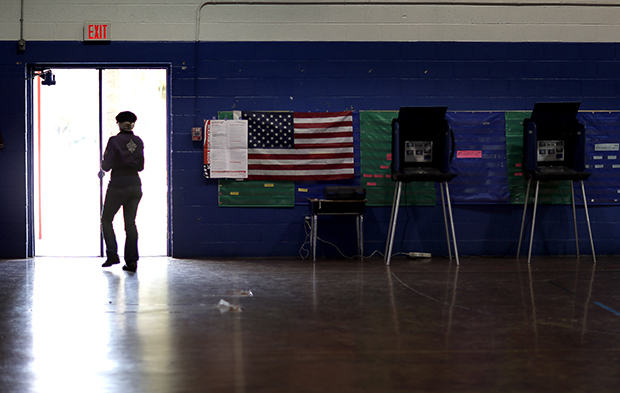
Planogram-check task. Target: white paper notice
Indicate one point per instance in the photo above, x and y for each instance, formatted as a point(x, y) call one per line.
point(226, 149)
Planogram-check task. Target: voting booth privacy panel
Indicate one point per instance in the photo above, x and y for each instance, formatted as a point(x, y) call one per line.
point(488, 160)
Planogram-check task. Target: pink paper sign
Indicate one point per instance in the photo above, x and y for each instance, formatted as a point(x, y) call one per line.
point(469, 154)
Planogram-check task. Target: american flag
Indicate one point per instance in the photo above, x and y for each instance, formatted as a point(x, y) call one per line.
point(300, 146)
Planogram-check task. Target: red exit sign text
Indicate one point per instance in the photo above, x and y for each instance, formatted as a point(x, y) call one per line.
point(97, 31)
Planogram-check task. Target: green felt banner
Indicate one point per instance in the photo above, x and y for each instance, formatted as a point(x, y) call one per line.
point(256, 193)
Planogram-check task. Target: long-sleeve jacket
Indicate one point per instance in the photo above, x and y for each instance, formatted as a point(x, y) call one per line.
point(124, 155)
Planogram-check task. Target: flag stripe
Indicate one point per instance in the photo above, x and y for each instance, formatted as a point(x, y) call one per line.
point(336, 124)
point(293, 153)
point(307, 168)
point(299, 177)
point(324, 135)
point(323, 149)
point(297, 158)
point(301, 162)
point(319, 115)
point(325, 145)
point(294, 171)
point(329, 130)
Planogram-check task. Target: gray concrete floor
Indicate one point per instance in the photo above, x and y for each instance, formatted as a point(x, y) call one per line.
point(490, 325)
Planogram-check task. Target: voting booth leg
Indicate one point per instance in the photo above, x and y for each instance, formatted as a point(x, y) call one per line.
point(585, 206)
point(527, 195)
point(394, 216)
point(529, 254)
point(313, 236)
point(387, 243)
point(456, 251)
point(572, 196)
point(360, 235)
point(445, 220)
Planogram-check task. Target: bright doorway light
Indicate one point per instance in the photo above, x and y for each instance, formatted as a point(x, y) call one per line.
point(69, 138)
point(66, 159)
point(142, 91)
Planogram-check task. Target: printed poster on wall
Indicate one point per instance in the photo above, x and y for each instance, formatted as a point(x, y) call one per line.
point(226, 149)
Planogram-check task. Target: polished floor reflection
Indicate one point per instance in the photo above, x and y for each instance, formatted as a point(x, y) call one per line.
point(275, 325)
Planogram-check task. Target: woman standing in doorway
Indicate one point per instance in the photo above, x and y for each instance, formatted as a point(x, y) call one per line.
point(124, 155)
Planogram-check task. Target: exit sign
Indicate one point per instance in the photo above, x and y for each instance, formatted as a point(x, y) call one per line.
point(97, 32)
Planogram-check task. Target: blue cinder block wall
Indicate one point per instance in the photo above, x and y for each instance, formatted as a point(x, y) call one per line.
point(323, 76)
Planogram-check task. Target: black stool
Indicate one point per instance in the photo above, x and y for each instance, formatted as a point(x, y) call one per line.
point(340, 207)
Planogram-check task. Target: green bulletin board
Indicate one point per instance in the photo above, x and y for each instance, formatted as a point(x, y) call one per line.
point(375, 153)
point(256, 193)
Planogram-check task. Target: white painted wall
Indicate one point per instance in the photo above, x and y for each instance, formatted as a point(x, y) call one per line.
point(448, 20)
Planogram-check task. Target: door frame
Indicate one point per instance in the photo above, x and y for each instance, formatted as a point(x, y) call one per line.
point(31, 70)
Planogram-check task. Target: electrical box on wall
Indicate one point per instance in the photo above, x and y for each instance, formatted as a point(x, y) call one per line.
point(196, 134)
point(97, 32)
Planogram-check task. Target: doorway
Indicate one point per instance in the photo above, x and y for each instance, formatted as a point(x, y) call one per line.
point(73, 117)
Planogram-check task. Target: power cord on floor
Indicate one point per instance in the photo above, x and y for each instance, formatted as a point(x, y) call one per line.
point(304, 253)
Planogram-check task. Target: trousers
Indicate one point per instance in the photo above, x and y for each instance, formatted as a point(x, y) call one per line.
point(129, 198)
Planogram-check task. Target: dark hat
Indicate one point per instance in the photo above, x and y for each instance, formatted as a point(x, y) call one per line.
point(126, 116)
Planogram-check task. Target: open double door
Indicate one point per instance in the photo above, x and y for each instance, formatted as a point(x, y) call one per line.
point(71, 123)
